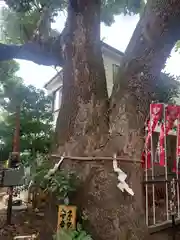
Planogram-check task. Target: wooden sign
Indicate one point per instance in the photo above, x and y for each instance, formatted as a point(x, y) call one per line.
point(6, 164)
point(66, 217)
point(13, 176)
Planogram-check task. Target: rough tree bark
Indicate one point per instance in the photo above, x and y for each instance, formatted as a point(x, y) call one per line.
point(85, 125)
point(145, 56)
point(83, 119)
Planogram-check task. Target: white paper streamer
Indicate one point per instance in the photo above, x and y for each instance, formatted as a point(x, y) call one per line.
point(55, 168)
point(122, 185)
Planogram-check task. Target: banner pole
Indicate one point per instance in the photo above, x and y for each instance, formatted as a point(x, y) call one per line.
point(152, 167)
point(177, 162)
point(165, 153)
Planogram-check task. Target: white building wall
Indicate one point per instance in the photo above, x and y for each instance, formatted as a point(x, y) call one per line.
point(54, 84)
point(55, 118)
point(108, 65)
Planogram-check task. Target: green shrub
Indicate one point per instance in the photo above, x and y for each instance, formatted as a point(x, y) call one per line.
point(78, 234)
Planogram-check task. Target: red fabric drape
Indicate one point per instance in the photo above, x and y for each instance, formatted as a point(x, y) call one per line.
point(156, 110)
point(161, 146)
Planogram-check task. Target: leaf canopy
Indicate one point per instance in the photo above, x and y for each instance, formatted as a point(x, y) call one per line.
point(36, 127)
point(20, 21)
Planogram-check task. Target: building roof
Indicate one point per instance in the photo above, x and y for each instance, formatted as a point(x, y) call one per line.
point(112, 49)
point(51, 80)
point(105, 45)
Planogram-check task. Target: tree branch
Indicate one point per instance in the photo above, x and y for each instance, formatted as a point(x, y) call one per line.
point(45, 53)
point(40, 51)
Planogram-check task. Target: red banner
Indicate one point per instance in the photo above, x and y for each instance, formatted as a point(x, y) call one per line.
point(156, 110)
point(172, 113)
point(160, 151)
point(178, 138)
point(148, 135)
point(175, 167)
point(161, 146)
point(156, 113)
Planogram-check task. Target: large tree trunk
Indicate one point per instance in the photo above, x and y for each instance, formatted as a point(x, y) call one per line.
point(85, 127)
point(83, 119)
point(153, 39)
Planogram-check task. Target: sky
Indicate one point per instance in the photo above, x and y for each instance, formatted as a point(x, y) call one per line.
point(118, 36)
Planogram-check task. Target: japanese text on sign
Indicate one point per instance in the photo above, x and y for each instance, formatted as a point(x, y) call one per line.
point(66, 217)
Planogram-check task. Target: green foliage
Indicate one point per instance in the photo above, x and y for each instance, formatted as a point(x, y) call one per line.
point(78, 234)
point(18, 27)
point(36, 129)
point(27, 5)
point(8, 70)
point(20, 21)
point(177, 46)
point(167, 88)
point(61, 184)
point(111, 8)
point(27, 159)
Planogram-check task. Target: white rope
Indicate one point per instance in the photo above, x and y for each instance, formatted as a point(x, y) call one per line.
point(97, 158)
point(122, 185)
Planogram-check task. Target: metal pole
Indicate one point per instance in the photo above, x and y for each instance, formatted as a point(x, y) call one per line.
point(173, 208)
point(16, 149)
point(146, 187)
point(173, 227)
point(166, 176)
point(152, 170)
point(177, 166)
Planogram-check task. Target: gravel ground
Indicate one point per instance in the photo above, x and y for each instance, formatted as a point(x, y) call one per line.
point(28, 222)
point(24, 222)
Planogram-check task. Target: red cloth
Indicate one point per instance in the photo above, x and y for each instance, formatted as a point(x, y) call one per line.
point(175, 167)
point(178, 139)
point(156, 110)
point(172, 113)
point(161, 146)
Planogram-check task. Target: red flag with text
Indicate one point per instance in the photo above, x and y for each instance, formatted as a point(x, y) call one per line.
point(156, 110)
point(172, 113)
point(161, 146)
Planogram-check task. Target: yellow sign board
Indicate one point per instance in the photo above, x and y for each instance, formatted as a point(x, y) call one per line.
point(66, 217)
